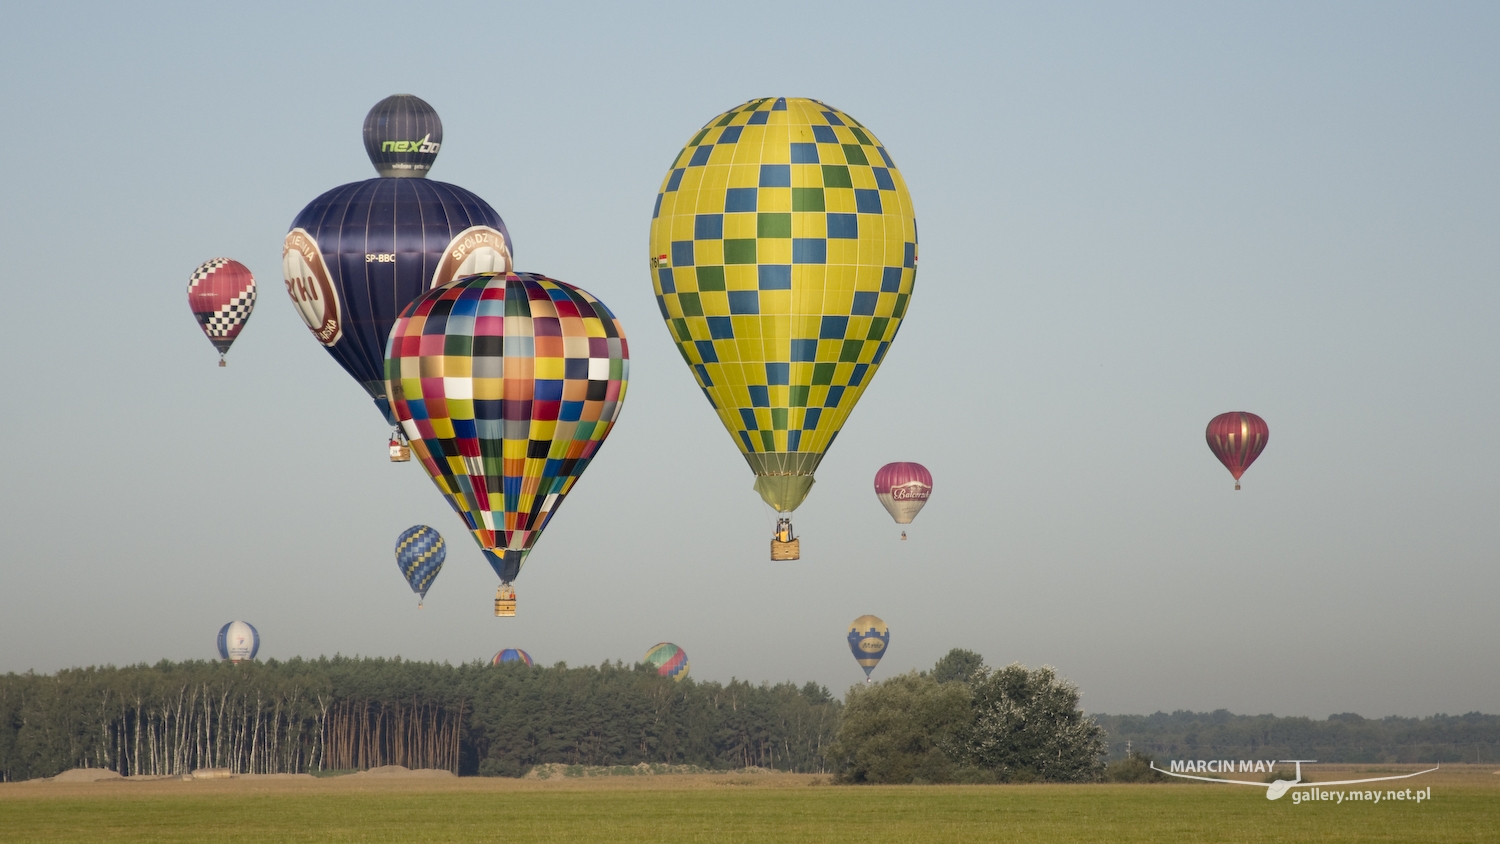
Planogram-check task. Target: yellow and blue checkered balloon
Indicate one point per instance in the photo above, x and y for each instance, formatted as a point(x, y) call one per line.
point(420, 552)
point(783, 252)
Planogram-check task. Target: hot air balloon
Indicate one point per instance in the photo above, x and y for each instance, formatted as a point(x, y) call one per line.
point(1237, 438)
point(668, 660)
point(783, 253)
point(238, 641)
point(903, 489)
point(868, 639)
point(402, 136)
point(506, 386)
point(420, 552)
point(511, 655)
point(359, 253)
point(221, 293)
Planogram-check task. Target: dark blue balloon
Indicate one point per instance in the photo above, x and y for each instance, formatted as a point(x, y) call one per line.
point(402, 136)
point(358, 254)
point(420, 552)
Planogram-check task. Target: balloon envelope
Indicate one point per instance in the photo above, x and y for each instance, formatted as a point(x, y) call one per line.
point(511, 655)
point(506, 386)
point(903, 488)
point(1237, 438)
point(238, 641)
point(420, 552)
point(221, 294)
point(669, 660)
point(868, 639)
point(359, 253)
point(402, 136)
point(783, 254)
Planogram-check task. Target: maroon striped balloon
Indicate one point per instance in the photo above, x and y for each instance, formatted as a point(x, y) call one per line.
point(903, 488)
point(1237, 438)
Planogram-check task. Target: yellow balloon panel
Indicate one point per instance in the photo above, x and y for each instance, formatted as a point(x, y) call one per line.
point(783, 252)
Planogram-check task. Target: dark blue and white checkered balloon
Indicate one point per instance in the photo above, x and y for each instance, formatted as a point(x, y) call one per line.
point(420, 552)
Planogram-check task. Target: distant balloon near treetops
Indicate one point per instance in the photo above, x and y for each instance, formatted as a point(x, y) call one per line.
point(511, 655)
point(783, 254)
point(361, 252)
point(1237, 438)
point(903, 489)
point(506, 386)
point(238, 641)
point(403, 135)
point(420, 552)
point(868, 639)
point(221, 294)
point(669, 660)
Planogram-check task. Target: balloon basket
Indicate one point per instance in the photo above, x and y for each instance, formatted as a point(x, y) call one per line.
point(791, 550)
point(1236, 485)
point(505, 602)
point(400, 452)
point(903, 536)
point(221, 362)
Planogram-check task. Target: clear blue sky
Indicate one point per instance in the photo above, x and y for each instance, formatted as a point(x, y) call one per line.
point(1133, 217)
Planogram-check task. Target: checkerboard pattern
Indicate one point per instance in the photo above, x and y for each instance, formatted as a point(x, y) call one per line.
point(506, 386)
point(783, 252)
point(420, 552)
point(221, 294)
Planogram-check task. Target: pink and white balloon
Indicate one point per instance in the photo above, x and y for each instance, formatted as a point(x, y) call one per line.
point(903, 488)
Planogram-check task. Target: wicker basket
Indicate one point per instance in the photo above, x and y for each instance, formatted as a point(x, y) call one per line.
point(505, 602)
point(786, 550)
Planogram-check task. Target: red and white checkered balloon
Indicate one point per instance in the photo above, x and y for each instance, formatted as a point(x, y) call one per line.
point(221, 294)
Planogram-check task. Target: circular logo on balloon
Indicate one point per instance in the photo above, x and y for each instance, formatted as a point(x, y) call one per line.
point(308, 284)
point(477, 249)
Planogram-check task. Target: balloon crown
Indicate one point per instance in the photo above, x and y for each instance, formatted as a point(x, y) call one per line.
point(402, 136)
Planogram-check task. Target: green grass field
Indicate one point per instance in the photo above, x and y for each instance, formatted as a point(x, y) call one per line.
point(1465, 807)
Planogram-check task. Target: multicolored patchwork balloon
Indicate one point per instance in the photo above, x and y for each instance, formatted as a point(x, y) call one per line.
point(668, 660)
point(511, 655)
point(1237, 438)
point(868, 639)
point(420, 552)
point(903, 489)
point(506, 386)
point(783, 254)
point(221, 294)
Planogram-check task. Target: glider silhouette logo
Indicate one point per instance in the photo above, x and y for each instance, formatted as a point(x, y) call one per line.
point(1279, 788)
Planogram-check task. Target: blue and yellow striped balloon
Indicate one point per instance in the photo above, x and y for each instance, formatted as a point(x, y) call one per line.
point(868, 639)
point(420, 552)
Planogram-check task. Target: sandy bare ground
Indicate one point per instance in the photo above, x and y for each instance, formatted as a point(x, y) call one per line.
point(1472, 776)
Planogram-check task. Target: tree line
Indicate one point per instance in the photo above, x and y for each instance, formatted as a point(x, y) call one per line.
point(960, 721)
point(1344, 737)
point(343, 713)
